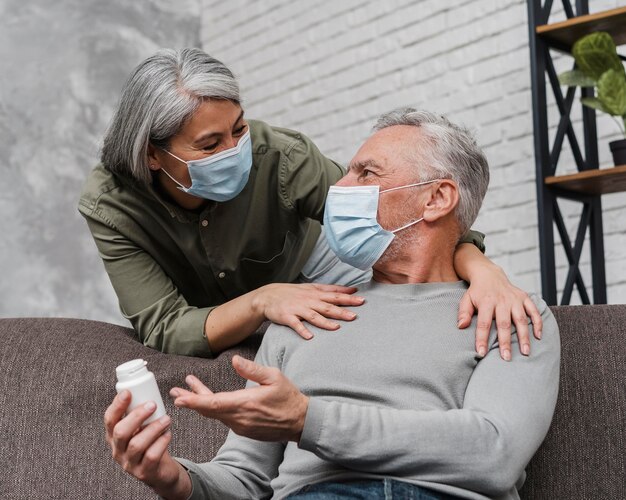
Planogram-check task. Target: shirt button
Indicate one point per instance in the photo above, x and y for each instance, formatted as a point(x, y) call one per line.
point(221, 275)
point(205, 223)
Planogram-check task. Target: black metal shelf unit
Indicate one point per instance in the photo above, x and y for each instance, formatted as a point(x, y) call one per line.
point(543, 38)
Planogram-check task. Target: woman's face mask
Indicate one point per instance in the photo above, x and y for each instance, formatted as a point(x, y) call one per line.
point(219, 177)
point(351, 227)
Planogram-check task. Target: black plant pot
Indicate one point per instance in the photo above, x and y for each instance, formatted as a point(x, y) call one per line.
point(618, 148)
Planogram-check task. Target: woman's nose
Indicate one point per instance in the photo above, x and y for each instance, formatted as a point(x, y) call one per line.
point(231, 142)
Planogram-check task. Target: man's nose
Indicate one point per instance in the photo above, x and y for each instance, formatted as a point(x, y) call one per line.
point(347, 180)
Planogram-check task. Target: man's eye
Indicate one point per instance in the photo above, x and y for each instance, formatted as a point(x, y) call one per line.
point(365, 173)
point(240, 130)
point(210, 147)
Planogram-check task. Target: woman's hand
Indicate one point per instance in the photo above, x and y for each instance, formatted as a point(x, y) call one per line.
point(495, 297)
point(291, 304)
point(142, 452)
point(284, 303)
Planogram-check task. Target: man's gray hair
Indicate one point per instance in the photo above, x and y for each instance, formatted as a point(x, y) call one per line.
point(160, 96)
point(452, 154)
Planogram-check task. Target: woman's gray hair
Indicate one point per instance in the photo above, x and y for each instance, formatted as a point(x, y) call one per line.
point(452, 154)
point(163, 93)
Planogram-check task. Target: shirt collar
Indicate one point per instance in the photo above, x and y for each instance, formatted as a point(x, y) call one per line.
point(175, 211)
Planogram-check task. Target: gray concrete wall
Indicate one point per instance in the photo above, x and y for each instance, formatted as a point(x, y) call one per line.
point(301, 64)
point(62, 65)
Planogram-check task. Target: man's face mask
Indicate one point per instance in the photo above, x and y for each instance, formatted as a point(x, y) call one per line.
point(222, 176)
point(351, 227)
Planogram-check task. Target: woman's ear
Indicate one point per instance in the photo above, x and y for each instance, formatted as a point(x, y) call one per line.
point(153, 160)
point(443, 200)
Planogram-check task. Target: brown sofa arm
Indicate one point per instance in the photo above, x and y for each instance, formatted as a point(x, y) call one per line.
point(583, 454)
point(58, 377)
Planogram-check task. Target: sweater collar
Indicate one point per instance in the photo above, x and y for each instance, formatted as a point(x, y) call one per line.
point(416, 290)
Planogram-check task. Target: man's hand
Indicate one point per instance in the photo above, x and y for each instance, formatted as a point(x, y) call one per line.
point(142, 452)
point(272, 411)
point(495, 297)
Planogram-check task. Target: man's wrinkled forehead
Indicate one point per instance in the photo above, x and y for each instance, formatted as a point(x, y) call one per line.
point(387, 150)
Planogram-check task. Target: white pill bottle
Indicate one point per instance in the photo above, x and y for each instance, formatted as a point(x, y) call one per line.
point(133, 376)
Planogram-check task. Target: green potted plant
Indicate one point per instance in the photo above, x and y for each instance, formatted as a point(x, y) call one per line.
point(599, 66)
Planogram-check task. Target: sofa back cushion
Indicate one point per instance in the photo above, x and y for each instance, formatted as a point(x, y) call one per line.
point(584, 453)
point(58, 375)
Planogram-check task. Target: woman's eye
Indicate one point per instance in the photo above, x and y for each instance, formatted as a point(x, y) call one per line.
point(240, 130)
point(210, 147)
point(365, 173)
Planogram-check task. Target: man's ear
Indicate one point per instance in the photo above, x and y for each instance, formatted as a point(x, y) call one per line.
point(443, 200)
point(153, 160)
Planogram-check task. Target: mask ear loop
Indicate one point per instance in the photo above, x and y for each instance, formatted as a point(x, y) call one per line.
point(407, 225)
point(172, 154)
point(409, 185)
point(180, 186)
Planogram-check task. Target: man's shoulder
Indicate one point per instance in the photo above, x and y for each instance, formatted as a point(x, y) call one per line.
point(279, 335)
point(540, 303)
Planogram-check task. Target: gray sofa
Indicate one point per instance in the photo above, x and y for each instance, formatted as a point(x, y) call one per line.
point(57, 376)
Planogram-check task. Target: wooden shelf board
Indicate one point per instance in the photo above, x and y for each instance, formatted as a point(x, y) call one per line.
point(563, 35)
point(597, 181)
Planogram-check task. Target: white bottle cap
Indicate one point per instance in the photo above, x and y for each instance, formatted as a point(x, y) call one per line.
point(128, 370)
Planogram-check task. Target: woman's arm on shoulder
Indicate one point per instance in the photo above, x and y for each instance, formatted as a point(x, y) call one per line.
point(165, 321)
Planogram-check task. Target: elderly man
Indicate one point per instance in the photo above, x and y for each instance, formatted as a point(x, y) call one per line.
point(427, 418)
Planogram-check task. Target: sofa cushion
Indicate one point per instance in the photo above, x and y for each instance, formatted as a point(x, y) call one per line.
point(57, 376)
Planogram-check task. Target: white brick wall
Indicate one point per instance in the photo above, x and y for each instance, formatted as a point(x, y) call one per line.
point(329, 68)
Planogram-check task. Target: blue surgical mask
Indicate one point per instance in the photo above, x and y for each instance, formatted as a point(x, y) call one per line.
point(222, 176)
point(351, 227)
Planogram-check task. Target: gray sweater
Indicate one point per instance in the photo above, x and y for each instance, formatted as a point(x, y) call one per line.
point(399, 393)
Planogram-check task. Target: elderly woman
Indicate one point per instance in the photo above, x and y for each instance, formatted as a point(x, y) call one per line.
point(208, 223)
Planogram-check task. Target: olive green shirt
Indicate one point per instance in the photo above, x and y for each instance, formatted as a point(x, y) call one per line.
point(170, 267)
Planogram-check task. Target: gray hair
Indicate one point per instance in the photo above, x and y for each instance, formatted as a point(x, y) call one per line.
point(452, 154)
point(160, 96)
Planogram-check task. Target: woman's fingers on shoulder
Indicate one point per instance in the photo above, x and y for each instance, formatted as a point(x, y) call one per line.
point(335, 288)
point(341, 299)
point(535, 316)
point(297, 326)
